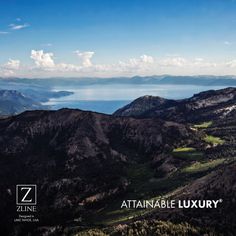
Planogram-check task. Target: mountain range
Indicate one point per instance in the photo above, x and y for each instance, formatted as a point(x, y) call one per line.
point(208, 105)
point(200, 80)
point(85, 164)
point(13, 102)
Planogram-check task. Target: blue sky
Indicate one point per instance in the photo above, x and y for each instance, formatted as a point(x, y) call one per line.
point(117, 37)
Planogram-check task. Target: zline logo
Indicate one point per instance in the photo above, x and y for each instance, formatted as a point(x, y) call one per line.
point(26, 200)
point(26, 194)
point(26, 197)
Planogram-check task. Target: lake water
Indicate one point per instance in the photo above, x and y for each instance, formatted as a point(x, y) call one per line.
point(109, 98)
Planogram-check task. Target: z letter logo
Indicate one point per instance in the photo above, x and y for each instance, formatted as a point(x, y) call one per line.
point(24, 198)
point(26, 194)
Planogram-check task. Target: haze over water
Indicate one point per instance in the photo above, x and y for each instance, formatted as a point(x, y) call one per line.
point(109, 98)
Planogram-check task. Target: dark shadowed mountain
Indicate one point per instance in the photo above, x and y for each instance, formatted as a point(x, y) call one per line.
point(85, 164)
point(77, 158)
point(143, 105)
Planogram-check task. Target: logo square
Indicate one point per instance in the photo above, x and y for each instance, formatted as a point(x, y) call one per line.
point(26, 194)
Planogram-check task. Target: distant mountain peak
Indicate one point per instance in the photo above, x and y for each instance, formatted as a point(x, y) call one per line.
point(143, 104)
point(204, 105)
point(13, 102)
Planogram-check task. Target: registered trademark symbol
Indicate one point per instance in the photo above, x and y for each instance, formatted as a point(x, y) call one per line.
point(220, 200)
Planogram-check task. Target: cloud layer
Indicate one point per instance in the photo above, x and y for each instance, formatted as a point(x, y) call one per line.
point(45, 64)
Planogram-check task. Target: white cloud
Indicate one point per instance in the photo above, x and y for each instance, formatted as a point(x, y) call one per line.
point(46, 65)
point(186, 63)
point(42, 60)
point(198, 59)
point(85, 57)
point(231, 63)
point(19, 26)
point(45, 62)
point(64, 67)
point(4, 32)
point(7, 73)
point(200, 62)
point(147, 59)
point(137, 63)
point(12, 64)
point(9, 68)
point(174, 61)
